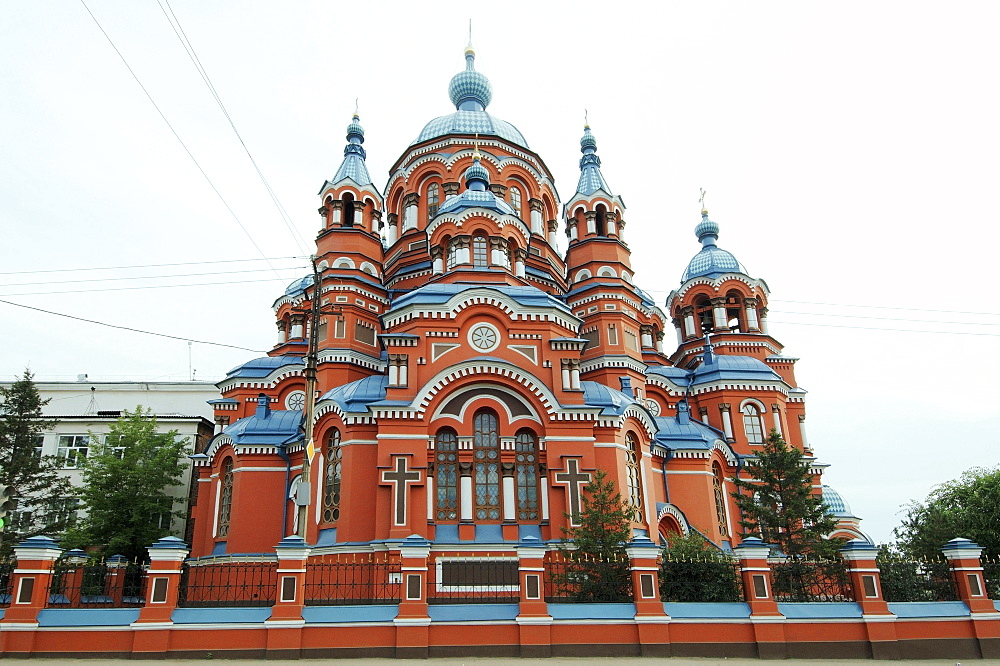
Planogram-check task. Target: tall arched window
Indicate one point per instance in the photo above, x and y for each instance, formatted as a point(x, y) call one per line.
point(452, 254)
point(601, 221)
point(486, 453)
point(515, 201)
point(526, 475)
point(704, 312)
point(433, 200)
point(734, 311)
point(632, 456)
point(446, 475)
point(225, 497)
point(752, 425)
point(332, 478)
point(480, 258)
point(720, 499)
point(348, 213)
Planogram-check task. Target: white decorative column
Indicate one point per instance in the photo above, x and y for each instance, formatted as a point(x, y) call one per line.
point(553, 229)
point(727, 423)
point(338, 207)
point(465, 491)
point(571, 229)
point(689, 328)
point(536, 216)
point(574, 375)
point(437, 258)
point(508, 495)
point(392, 233)
point(565, 374)
point(298, 322)
point(752, 323)
point(410, 202)
point(544, 490)
point(520, 257)
point(776, 413)
point(802, 431)
point(611, 222)
point(591, 217)
point(646, 336)
point(282, 331)
point(719, 312)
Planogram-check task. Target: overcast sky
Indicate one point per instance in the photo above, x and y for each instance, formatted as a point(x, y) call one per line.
point(849, 150)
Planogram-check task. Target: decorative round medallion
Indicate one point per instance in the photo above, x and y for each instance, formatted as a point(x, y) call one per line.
point(295, 400)
point(484, 337)
point(653, 406)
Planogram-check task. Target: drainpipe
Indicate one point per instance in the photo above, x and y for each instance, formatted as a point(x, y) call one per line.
point(288, 475)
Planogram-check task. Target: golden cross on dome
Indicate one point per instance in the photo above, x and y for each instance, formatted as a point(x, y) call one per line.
point(586, 123)
point(704, 211)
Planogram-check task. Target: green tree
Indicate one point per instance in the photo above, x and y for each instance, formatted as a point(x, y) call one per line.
point(967, 507)
point(598, 567)
point(125, 484)
point(38, 487)
point(778, 504)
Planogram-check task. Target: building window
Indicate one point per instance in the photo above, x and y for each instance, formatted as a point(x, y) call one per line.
point(486, 451)
point(752, 423)
point(72, 450)
point(515, 201)
point(452, 254)
point(526, 475)
point(720, 499)
point(433, 200)
point(331, 480)
point(62, 512)
point(446, 475)
point(705, 313)
point(479, 256)
point(632, 473)
point(225, 497)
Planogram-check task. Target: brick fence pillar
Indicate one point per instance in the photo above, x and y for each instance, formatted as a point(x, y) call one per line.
point(654, 635)
point(866, 580)
point(29, 594)
point(533, 619)
point(967, 571)
point(151, 639)
point(284, 627)
point(768, 622)
point(412, 622)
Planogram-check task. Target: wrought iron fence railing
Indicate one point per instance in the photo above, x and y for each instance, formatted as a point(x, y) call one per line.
point(908, 579)
point(991, 572)
point(578, 578)
point(462, 580)
point(228, 581)
point(799, 579)
point(350, 580)
point(7, 567)
point(97, 583)
point(712, 578)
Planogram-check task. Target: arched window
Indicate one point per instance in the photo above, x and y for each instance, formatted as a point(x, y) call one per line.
point(225, 497)
point(348, 215)
point(446, 474)
point(515, 201)
point(734, 311)
point(601, 221)
point(632, 456)
point(486, 453)
point(332, 478)
point(452, 254)
point(720, 499)
point(526, 474)
point(752, 425)
point(480, 258)
point(433, 200)
point(703, 311)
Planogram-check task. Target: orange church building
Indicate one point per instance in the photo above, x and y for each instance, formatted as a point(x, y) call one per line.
point(471, 378)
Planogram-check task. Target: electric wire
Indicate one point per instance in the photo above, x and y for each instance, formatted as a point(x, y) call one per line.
point(134, 330)
point(878, 328)
point(115, 268)
point(155, 286)
point(182, 37)
point(177, 136)
point(149, 277)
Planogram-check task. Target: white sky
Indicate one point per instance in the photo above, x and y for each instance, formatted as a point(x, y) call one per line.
point(849, 151)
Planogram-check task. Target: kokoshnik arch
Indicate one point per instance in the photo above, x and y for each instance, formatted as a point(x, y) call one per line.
point(472, 379)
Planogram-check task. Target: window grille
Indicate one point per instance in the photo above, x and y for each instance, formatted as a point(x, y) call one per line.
point(632, 473)
point(72, 450)
point(479, 256)
point(720, 500)
point(433, 200)
point(752, 425)
point(446, 475)
point(515, 201)
point(487, 466)
point(225, 497)
point(331, 482)
point(526, 473)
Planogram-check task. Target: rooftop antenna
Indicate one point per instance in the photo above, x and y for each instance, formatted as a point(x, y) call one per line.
point(190, 372)
point(92, 406)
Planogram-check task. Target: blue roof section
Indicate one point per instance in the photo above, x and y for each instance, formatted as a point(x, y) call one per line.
point(612, 402)
point(356, 396)
point(731, 367)
point(353, 167)
point(439, 294)
point(299, 286)
point(674, 374)
point(712, 262)
point(471, 122)
point(275, 428)
point(692, 435)
point(835, 504)
point(476, 199)
point(262, 367)
point(591, 179)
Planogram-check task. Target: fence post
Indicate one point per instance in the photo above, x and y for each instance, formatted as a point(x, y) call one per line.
point(769, 630)
point(866, 580)
point(650, 615)
point(29, 594)
point(284, 627)
point(533, 619)
point(412, 621)
point(163, 582)
point(967, 571)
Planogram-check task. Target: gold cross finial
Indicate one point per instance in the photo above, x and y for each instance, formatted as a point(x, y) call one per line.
point(586, 123)
point(701, 201)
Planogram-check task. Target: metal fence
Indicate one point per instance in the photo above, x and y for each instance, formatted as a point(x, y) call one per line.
point(113, 583)
point(350, 580)
point(797, 579)
point(229, 581)
point(907, 579)
point(991, 572)
point(461, 580)
point(712, 578)
point(579, 578)
point(7, 567)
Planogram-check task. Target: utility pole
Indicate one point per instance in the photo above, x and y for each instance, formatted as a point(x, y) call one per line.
point(304, 495)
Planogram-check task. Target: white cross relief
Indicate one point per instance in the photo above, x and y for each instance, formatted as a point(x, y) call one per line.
point(575, 480)
point(399, 477)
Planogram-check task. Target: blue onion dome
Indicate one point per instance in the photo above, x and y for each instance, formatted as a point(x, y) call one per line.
point(355, 130)
point(707, 231)
point(476, 176)
point(470, 90)
point(587, 141)
point(712, 261)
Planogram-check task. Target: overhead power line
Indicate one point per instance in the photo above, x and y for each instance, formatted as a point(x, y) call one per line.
point(116, 268)
point(134, 330)
point(148, 277)
point(876, 328)
point(177, 136)
point(152, 286)
point(175, 24)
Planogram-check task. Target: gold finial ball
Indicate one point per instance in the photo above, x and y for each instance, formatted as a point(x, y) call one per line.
point(704, 211)
point(469, 50)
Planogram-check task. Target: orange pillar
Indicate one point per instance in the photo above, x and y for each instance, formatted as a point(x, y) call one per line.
point(29, 594)
point(533, 619)
point(654, 634)
point(967, 570)
point(768, 622)
point(151, 638)
point(866, 581)
point(284, 627)
point(412, 622)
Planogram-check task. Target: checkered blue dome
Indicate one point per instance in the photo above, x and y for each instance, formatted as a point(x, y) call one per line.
point(355, 129)
point(470, 90)
point(712, 261)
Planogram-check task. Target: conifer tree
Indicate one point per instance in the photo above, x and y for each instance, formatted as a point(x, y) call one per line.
point(777, 502)
point(39, 490)
point(125, 484)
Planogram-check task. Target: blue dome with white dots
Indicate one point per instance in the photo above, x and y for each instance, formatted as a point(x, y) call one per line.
point(470, 90)
point(712, 261)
